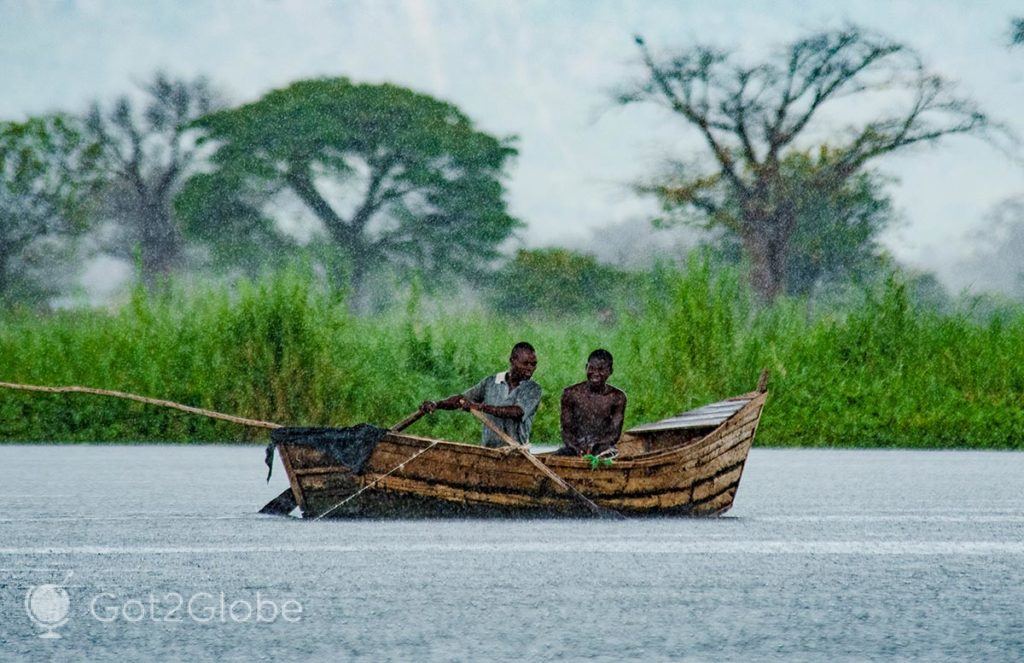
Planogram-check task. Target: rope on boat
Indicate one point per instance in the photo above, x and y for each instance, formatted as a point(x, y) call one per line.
point(375, 481)
point(144, 399)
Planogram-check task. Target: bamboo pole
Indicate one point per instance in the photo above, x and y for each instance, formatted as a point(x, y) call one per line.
point(144, 399)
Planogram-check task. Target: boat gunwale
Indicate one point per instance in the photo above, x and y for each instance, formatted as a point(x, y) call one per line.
point(704, 439)
point(655, 458)
point(749, 396)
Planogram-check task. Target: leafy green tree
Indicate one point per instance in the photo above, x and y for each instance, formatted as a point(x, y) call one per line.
point(147, 150)
point(556, 282)
point(392, 175)
point(48, 180)
point(836, 228)
point(1017, 31)
point(751, 116)
point(235, 229)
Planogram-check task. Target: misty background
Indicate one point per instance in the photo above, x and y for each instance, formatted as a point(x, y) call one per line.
point(545, 75)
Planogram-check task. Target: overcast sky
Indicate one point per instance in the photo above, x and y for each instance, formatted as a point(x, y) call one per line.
point(538, 70)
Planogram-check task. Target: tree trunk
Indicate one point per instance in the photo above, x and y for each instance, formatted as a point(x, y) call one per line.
point(766, 243)
point(347, 236)
point(764, 277)
point(4, 278)
point(352, 275)
point(160, 242)
point(9, 250)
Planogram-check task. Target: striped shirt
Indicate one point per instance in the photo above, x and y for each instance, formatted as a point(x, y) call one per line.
point(493, 390)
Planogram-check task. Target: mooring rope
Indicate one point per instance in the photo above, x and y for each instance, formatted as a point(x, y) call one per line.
point(144, 399)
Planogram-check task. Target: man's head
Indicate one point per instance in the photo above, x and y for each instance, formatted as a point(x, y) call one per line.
point(522, 362)
point(599, 368)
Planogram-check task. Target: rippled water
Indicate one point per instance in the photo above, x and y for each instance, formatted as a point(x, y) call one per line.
point(826, 554)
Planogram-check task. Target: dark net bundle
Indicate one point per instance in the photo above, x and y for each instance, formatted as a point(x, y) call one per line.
point(350, 446)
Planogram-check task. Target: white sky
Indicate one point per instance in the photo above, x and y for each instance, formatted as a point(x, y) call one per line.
point(539, 70)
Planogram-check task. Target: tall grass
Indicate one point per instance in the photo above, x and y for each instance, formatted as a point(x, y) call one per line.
point(882, 372)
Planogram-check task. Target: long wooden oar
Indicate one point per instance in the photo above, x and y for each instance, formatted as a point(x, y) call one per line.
point(285, 503)
point(408, 421)
point(281, 505)
point(144, 399)
point(559, 481)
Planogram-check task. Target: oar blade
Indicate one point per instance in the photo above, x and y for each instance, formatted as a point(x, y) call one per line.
point(281, 505)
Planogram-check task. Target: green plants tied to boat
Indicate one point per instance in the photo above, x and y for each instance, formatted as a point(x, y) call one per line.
point(597, 461)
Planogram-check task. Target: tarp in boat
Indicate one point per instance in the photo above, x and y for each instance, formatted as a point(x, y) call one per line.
point(350, 446)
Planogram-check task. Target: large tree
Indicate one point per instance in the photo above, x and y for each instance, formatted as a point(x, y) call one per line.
point(148, 149)
point(837, 225)
point(1017, 31)
point(48, 180)
point(391, 175)
point(751, 116)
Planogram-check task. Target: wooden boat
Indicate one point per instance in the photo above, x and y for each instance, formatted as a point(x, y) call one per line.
point(689, 464)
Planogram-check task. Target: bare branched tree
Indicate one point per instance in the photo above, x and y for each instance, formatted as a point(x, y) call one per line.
point(751, 116)
point(148, 148)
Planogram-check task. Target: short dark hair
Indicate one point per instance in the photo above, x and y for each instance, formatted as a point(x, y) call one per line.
point(600, 354)
point(522, 346)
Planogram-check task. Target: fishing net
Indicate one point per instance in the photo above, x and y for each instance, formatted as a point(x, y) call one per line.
point(350, 446)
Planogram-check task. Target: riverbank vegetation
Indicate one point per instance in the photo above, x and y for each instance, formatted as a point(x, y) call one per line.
point(295, 258)
point(881, 370)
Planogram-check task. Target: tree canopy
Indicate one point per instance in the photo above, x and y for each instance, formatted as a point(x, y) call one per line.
point(751, 116)
point(48, 179)
point(392, 175)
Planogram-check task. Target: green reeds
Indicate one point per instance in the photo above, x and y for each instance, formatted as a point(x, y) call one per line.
point(882, 372)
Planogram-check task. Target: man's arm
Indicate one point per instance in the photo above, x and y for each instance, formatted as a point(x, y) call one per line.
point(456, 401)
point(527, 400)
point(453, 402)
point(611, 437)
point(569, 432)
point(500, 411)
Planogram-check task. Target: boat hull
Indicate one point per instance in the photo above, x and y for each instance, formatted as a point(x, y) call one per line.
point(682, 475)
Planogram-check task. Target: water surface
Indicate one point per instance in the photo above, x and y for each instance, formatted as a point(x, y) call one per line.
point(826, 554)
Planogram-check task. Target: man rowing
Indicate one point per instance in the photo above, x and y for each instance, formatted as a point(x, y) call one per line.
point(509, 398)
point(592, 410)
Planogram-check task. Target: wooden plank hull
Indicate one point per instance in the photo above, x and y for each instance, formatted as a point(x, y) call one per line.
point(679, 475)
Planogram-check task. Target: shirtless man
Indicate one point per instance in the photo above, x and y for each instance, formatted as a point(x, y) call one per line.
point(593, 410)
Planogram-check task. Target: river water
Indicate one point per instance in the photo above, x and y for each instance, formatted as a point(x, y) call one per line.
point(827, 554)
